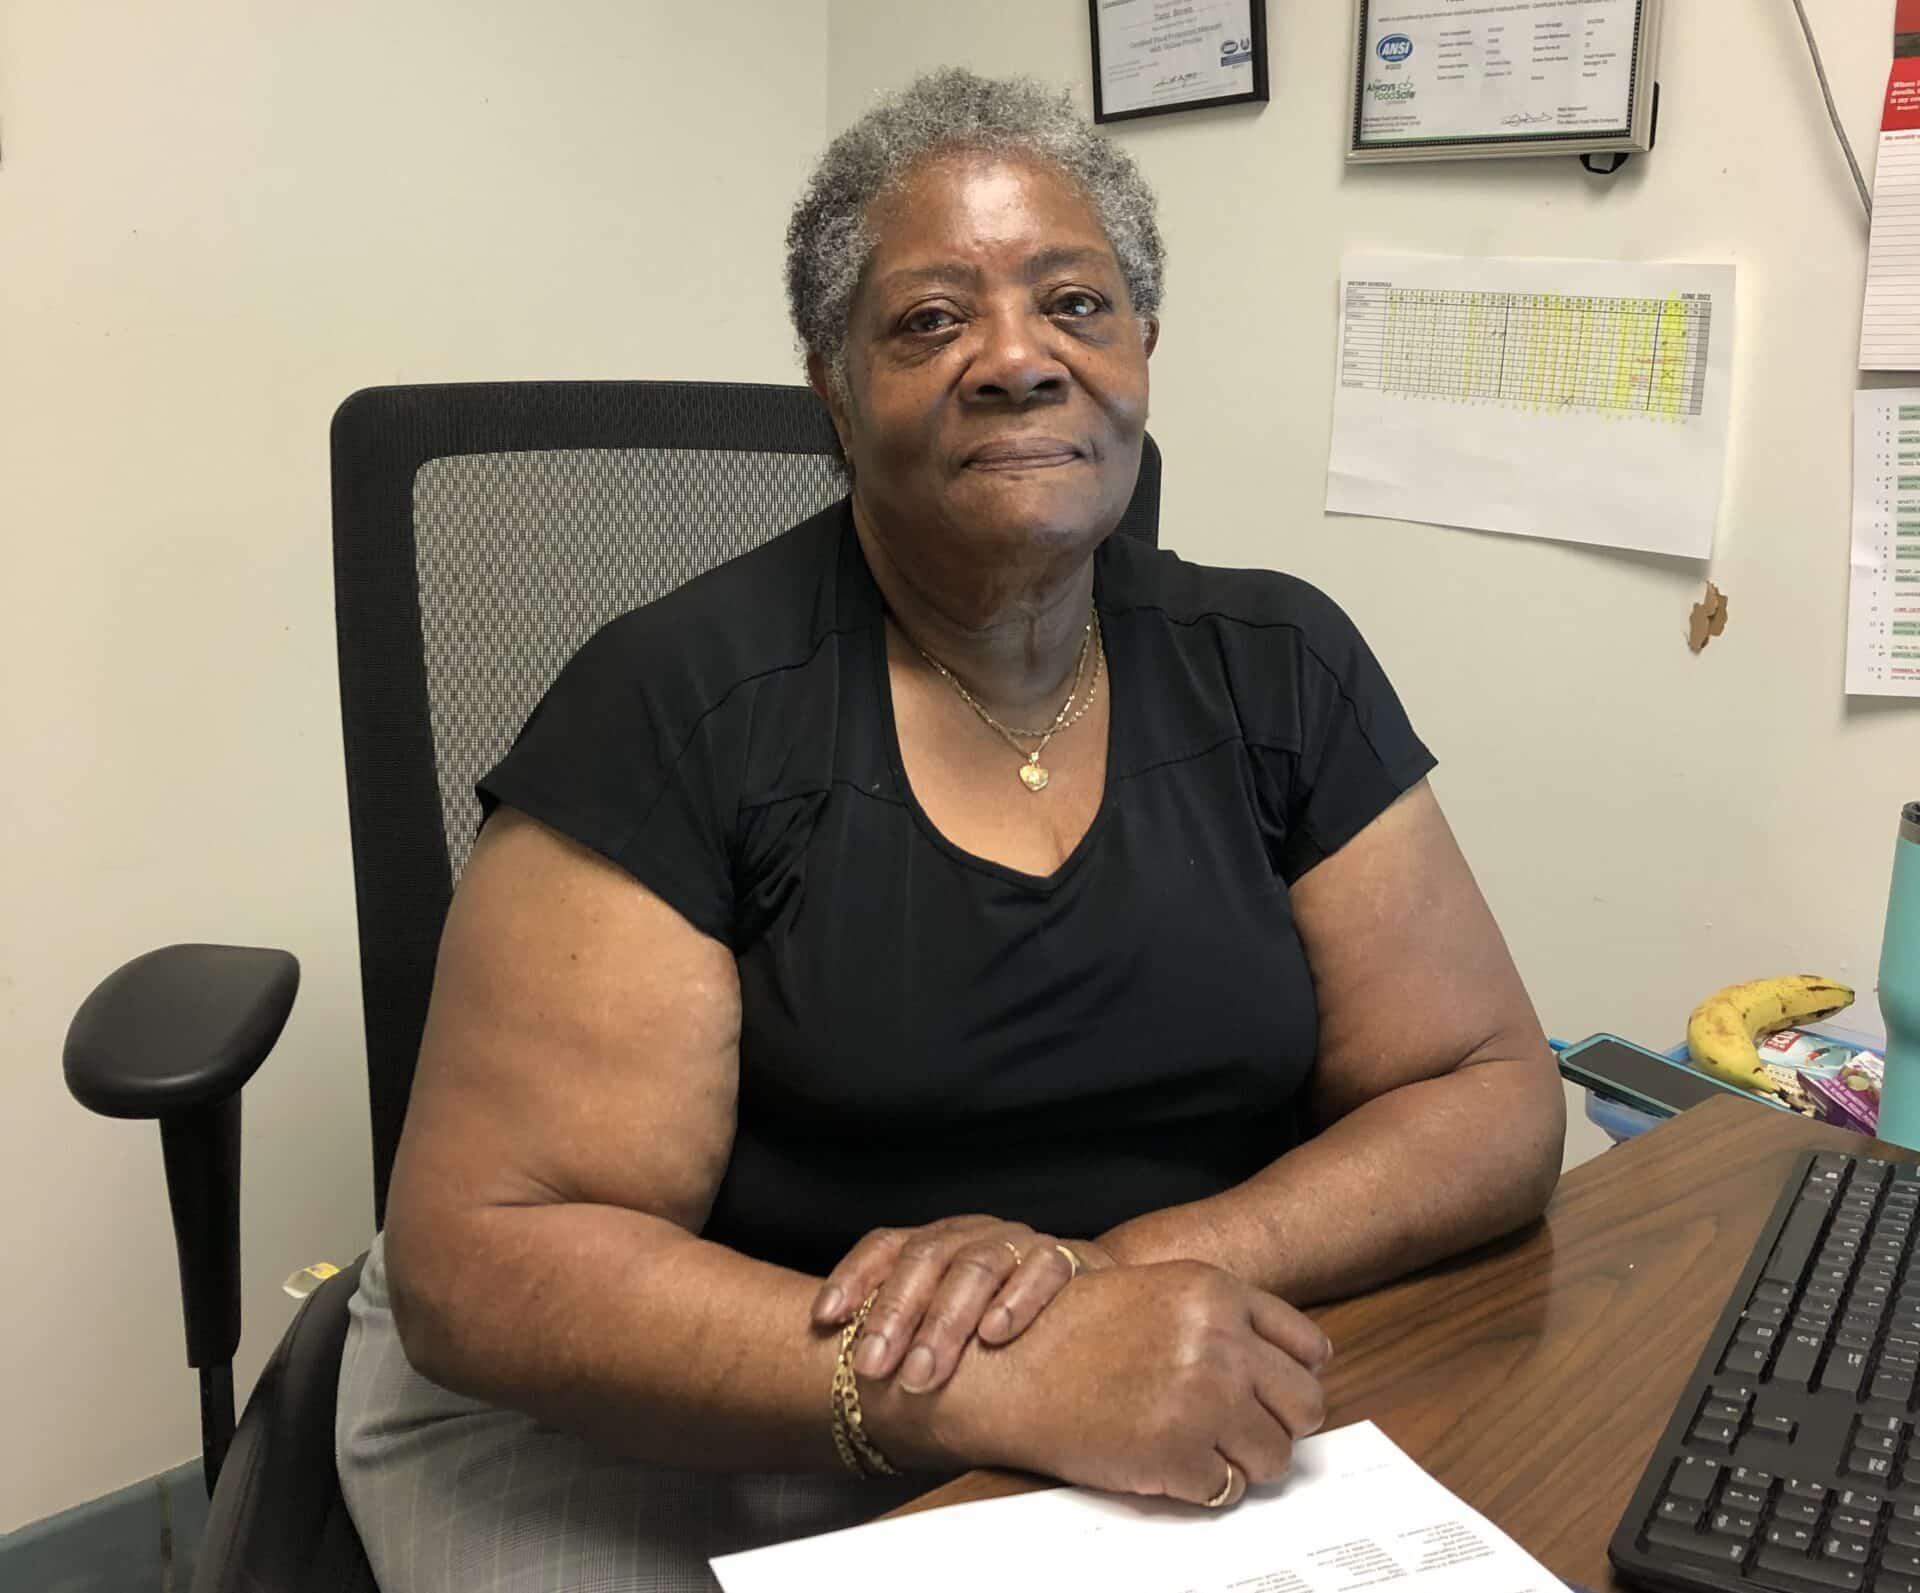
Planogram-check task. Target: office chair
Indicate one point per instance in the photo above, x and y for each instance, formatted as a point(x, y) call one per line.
point(481, 533)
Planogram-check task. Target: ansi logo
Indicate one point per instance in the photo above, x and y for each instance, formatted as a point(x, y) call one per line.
point(1394, 47)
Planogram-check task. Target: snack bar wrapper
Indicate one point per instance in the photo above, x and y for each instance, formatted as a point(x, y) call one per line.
point(1795, 1061)
point(1850, 1097)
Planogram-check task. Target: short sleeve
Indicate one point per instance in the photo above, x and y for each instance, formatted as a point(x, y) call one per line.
point(1358, 752)
point(626, 755)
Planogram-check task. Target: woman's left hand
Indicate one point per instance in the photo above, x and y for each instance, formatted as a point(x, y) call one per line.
point(940, 1285)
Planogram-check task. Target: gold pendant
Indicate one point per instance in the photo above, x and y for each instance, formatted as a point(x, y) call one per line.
point(1034, 776)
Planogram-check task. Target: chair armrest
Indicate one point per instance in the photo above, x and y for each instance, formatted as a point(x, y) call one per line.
point(178, 1028)
point(176, 1034)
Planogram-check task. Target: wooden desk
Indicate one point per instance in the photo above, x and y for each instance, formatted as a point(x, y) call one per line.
point(1533, 1377)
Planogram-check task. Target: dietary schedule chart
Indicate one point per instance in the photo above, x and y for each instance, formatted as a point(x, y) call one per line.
point(1628, 356)
point(1883, 611)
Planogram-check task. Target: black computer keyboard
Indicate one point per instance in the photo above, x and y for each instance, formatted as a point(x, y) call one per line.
point(1792, 1463)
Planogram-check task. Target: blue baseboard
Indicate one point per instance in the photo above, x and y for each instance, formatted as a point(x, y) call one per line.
point(142, 1539)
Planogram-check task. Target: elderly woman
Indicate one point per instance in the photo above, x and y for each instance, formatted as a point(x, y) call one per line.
point(941, 989)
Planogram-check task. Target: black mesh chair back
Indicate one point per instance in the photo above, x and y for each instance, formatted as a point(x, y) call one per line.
point(482, 532)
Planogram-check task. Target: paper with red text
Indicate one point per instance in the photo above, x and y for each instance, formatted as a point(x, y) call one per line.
point(1890, 321)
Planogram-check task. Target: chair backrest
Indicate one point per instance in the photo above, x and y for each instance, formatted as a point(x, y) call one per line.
point(481, 533)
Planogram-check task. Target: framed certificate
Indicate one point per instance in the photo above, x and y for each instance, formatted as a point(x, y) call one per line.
point(1155, 56)
point(1520, 77)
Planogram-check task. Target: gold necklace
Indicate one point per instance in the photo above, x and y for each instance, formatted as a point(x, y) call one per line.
point(1032, 775)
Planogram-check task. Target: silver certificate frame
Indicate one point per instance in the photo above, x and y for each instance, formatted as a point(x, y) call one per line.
point(1497, 78)
point(1155, 57)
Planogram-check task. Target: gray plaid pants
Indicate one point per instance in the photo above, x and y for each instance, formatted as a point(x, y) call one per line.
point(453, 1496)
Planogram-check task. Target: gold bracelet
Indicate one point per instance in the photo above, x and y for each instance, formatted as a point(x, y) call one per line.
point(857, 1451)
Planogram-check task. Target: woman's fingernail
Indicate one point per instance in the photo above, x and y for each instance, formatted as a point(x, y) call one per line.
point(915, 1374)
point(831, 1302)
point(872, 1354)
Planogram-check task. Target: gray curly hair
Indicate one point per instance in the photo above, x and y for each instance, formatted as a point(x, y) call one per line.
point(829, 242)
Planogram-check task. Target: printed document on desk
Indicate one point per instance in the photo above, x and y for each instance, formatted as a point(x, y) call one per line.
point(1582, 401)
point(1355, 1512)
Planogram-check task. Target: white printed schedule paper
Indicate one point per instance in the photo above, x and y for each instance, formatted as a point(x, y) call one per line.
point(1355, 1512)
point(1883, 609)
point(1582, 401)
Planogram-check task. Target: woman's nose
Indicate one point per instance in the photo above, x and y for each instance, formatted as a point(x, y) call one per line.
point(1013, 362)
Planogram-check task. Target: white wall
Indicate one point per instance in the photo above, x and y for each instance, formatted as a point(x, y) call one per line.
point(1648, 825)
point(216, 220)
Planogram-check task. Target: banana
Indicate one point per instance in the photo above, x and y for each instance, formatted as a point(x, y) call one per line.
point(1722, 1031)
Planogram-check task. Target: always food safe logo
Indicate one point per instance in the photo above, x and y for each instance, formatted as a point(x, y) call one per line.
point(1394, 48)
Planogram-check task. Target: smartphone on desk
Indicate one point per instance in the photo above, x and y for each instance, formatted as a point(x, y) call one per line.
point(1642, 1079)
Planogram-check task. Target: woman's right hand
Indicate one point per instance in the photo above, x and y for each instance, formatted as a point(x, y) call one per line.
point(1149, 1380)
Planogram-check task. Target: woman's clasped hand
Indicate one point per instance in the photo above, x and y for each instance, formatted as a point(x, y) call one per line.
point(1172, 1379)
point(1154, 1380)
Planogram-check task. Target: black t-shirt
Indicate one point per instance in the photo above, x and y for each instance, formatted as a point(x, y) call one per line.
point(928, 1033)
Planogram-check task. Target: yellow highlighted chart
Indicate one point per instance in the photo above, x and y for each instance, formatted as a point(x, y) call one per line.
point(1578, 400)
point(1635, 356)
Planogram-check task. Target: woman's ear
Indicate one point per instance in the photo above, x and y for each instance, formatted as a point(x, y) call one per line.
point(823, 385)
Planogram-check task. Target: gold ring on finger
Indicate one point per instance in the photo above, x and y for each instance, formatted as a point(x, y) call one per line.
point(1017, 1257)
point(1226, 1488)
point(1073, 1261)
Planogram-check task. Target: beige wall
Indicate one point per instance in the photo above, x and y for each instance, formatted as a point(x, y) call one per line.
point(216, 220)
point(1648, 825)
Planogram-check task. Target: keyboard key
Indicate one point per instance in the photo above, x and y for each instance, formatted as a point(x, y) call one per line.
point(1794, 1248)
point(1748, 1360)
point(1682, 1512)
point(1781, 1428)
point(1783, 1535)
point(1903, 1536)
point(1889, 1582)
point(1876, 1443)
point(1718, 1435)
point(1694, 1478)
point(1797, 1512)
point(1798, 1356)
point(1907, 1510)
point(1854, 1522)
point(1892, 1386)
point(1845, 1371)
point(1795, 1573)
point(1761, 1333)
point(1861, 1499)
point(1849, 1551)
point(1751, 1477)
point(1734, 1523)
point(1776, 1293)
point(1704, 1547)
point(1901, 1562)
point(1803, 1488)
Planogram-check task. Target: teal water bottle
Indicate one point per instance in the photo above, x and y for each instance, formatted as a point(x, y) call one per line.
point(1900, 989)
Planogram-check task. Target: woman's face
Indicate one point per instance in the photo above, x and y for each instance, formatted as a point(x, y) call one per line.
point(996, 374)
